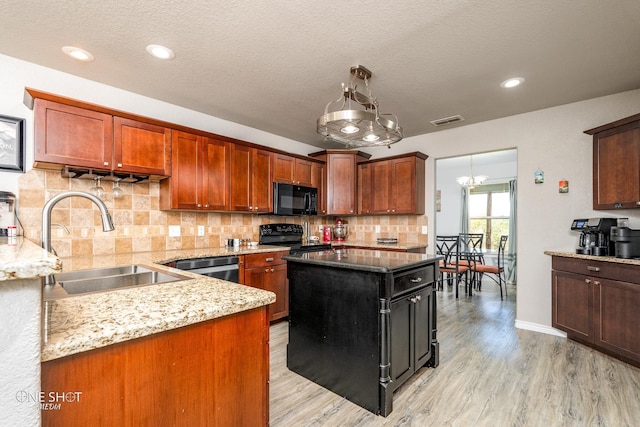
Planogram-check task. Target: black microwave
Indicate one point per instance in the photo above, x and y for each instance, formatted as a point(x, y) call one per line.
point(289, 199)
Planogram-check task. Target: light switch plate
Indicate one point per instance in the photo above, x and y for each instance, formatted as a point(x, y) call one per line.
point(201, 230)
point(424, 229)
point(174, 231)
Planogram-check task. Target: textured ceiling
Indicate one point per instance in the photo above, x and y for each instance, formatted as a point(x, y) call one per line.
point(274, 65)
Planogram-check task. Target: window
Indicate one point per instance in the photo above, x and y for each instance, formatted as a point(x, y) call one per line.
point(489, 213)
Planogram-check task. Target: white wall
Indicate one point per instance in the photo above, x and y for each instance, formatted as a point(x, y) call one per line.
point(553, 140)
point(17, 74)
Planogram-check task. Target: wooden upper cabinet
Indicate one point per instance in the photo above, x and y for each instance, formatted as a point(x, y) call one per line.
point(292, 170)
point(251, 185)
point(393, 185)
point(616, 164)
point(68, 135)
point(141, 147)
point(200, 179)
point(82, 135)
point(341, 194)
point(319, 181)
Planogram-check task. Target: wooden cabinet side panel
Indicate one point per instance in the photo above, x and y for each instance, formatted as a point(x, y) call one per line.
point(364, 189)
point(318, 180)
point(341, 184)
point(261, 181)
point(214, 372)
point(72, 136)
point(141, 147)
point(618, 318)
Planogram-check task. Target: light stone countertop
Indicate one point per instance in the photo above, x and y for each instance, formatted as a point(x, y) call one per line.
point(81, 323)
point(611, 259)
point(23, 259)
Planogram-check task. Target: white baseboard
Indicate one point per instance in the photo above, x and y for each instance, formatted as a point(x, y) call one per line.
point(539, 328)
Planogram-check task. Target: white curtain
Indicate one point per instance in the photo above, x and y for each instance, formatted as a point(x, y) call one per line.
point(512, 255)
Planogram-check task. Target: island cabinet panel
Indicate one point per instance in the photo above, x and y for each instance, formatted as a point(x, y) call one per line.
point(616, 164)
point(598, 303)
point(251, 179)
point(292, 170)
point(84, 137)
point(213, 373)
point(362, 322)
point(268, 271)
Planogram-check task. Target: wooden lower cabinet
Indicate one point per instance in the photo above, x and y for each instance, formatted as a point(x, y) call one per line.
point(598, 303)
point(268, 271)
point(213, 373)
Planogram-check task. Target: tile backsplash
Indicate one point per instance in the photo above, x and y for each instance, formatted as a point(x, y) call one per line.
point(142, 226)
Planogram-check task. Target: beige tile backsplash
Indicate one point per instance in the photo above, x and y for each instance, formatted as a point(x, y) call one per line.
point(141, 226)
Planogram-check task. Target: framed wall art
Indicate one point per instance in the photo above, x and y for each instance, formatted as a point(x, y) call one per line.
point(11, 144)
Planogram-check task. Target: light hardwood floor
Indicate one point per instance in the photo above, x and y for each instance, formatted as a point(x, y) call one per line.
point(490, 374)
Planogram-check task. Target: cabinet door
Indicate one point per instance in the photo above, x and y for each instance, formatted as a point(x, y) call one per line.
point(572, 304)
point(403, 191)
point(186, 179)
point(401, 340)
point(423, 325)
point(216, 174)
point(72, 136)
point(141, 147)
point(283, 169)
point(618, 317)
point(341, 183)
point(302, 172)
point(261, 182)
point(381, 182)
point(616, 168)
point(364, 189)
point(276, 282)
point(240, 167)
point(319, 181)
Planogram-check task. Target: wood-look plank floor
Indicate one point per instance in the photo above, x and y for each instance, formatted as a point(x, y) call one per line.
point(490, 374)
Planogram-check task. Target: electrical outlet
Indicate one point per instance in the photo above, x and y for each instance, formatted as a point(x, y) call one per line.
point(320, 228)
point(377, 228)
point(174, 231)
point(424, 229)
point(201, 230)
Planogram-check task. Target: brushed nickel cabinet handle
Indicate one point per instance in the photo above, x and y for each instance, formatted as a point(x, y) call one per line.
point(416, 280)
point(591, 268)
point(269, 260)
point(587, 280)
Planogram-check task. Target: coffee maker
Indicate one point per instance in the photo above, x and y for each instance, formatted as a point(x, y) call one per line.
point(595, 236)
point(626, 241)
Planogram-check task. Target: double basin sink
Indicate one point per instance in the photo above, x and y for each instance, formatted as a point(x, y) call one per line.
point(76, 283)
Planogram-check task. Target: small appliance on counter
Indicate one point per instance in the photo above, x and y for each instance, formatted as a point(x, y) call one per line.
point(340, 231)
point(595, 236)
point(7, 212)
point(626, 242)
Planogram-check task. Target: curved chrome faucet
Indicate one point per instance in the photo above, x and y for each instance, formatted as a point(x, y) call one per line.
point(107, 222)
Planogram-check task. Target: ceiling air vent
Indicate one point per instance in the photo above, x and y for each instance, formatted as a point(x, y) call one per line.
point(447, 120)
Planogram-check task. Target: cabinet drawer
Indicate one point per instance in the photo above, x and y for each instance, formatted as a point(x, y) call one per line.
point(609, 270)
point(406, 281)
point(264, 258)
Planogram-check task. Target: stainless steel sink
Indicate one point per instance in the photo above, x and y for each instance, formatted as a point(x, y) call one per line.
point(83, 282)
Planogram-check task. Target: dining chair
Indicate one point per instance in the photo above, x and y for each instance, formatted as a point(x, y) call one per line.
point(496, 272)
point(448, 246)
point(471, 253)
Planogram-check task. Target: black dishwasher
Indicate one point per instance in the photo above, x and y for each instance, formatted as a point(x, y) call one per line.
point(222, 267)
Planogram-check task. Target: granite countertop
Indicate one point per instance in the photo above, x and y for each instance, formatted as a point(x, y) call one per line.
point(611, 259)
point(364, 259)
point(23, 259)
point(376, 245)
point(80, 323)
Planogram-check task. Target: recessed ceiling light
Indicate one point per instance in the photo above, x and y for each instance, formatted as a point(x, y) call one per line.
point(77, 53)
point(509, 83)
point(160, 51)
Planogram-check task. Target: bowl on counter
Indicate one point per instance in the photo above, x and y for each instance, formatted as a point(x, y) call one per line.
point(253, 245)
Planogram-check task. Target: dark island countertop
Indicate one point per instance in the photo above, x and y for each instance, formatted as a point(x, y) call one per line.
point(364, 259)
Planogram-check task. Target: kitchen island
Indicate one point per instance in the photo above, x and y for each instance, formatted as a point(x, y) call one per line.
point(362, 322)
